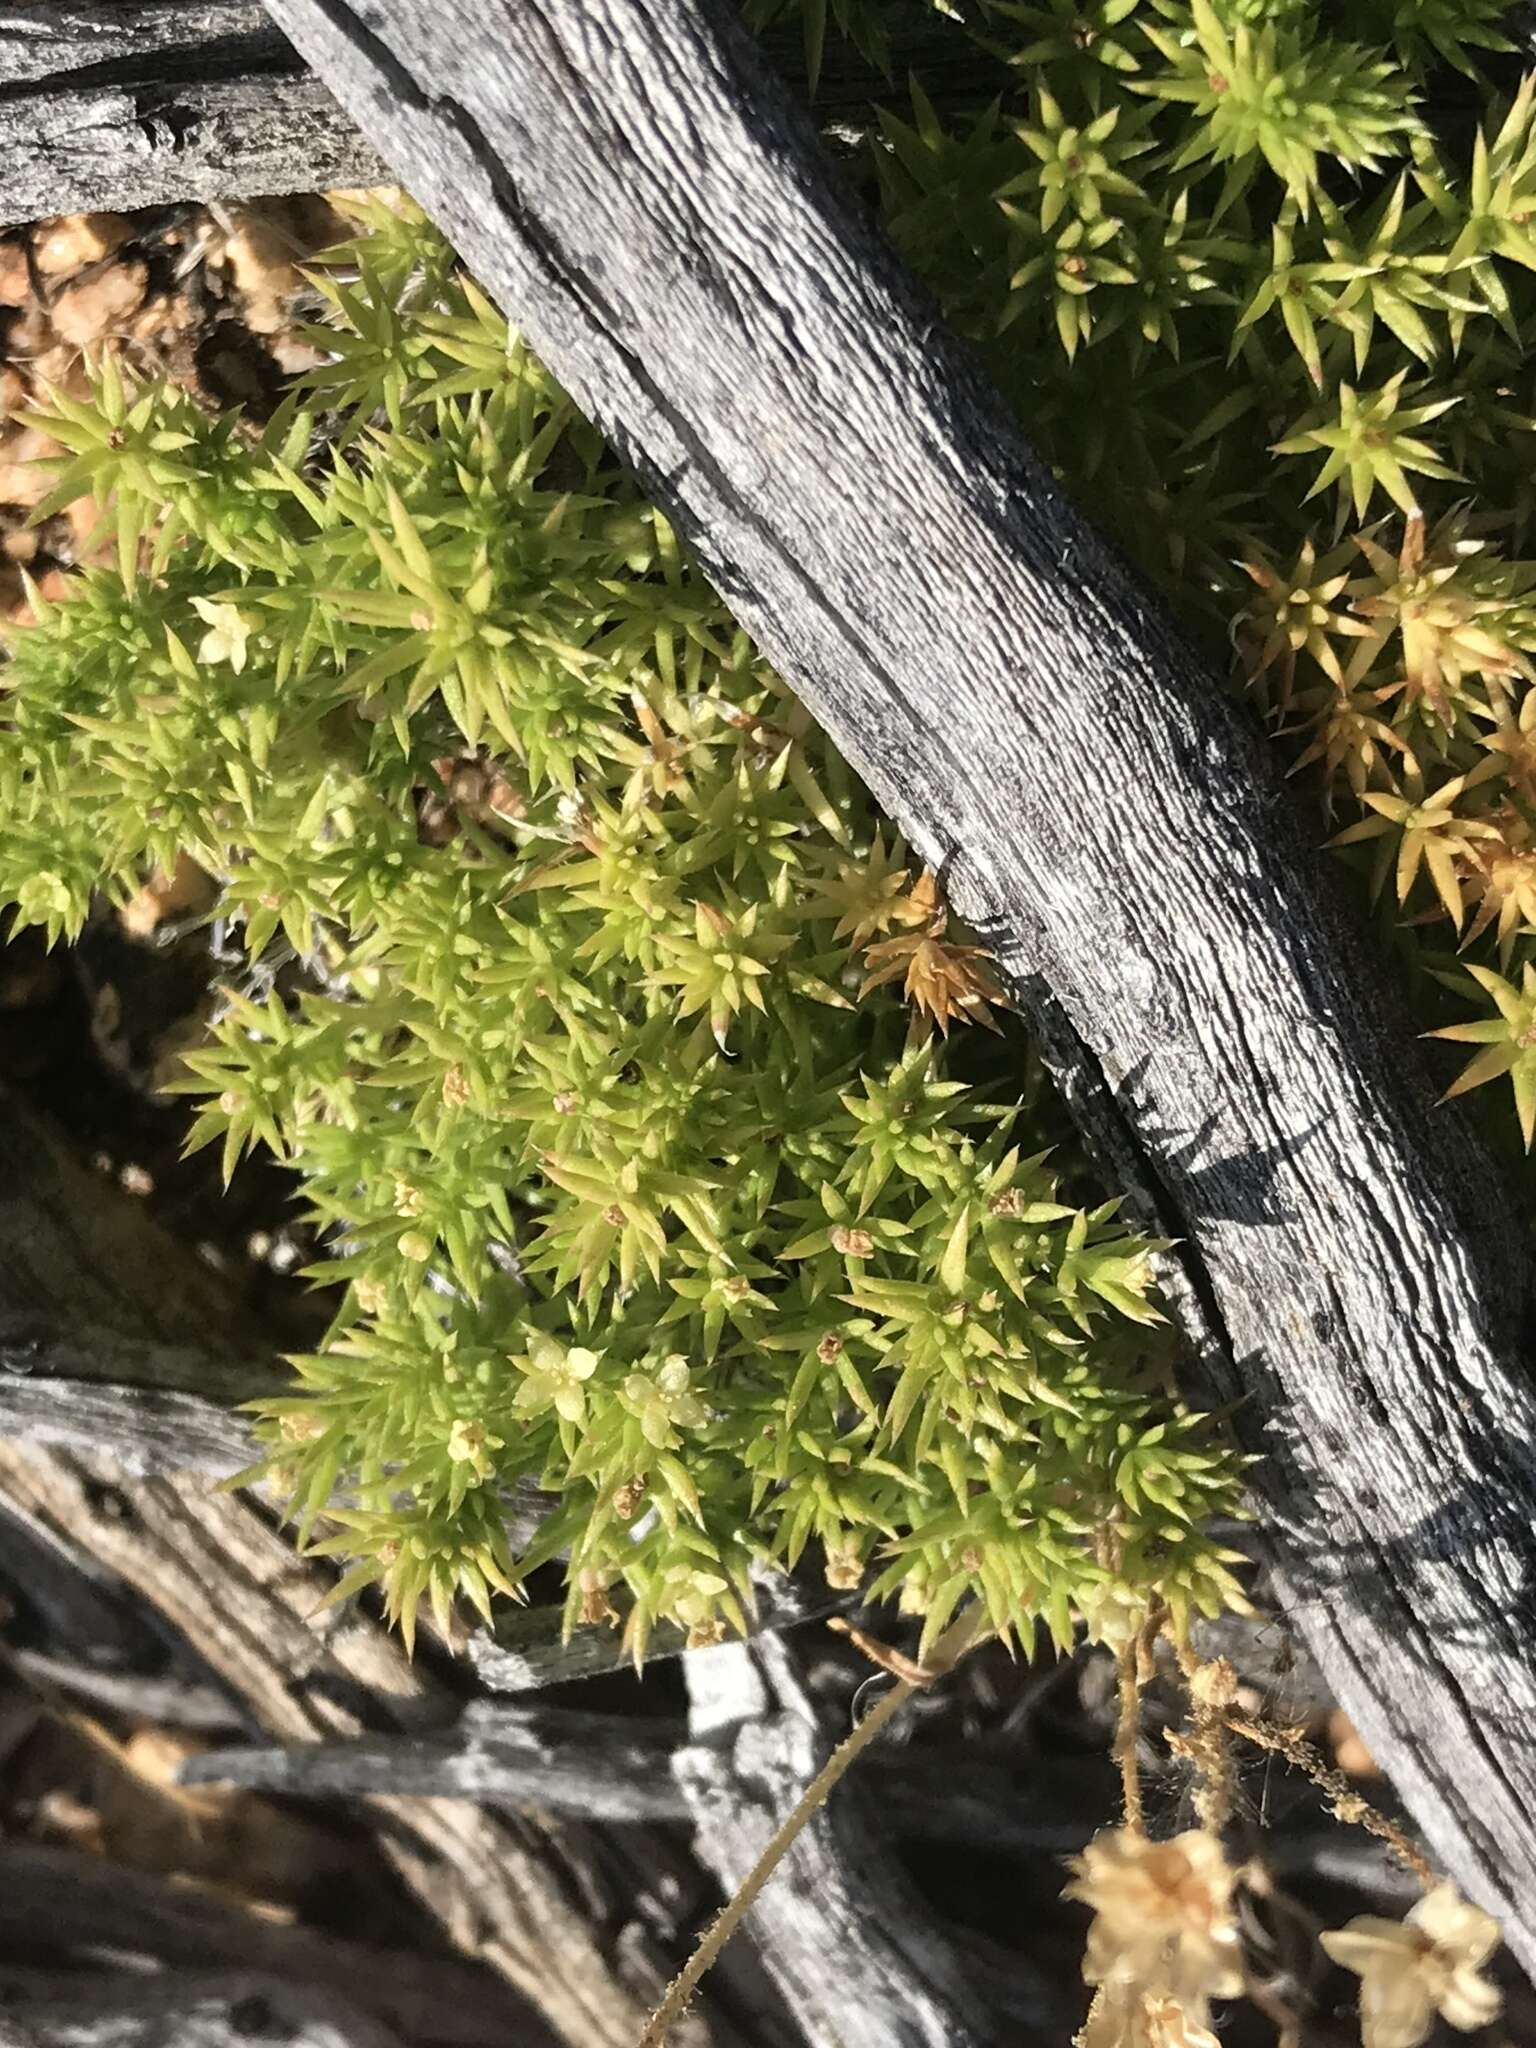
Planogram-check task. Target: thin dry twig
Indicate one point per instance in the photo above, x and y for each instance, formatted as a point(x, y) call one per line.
point(951, 1646)
point(1344, 1800)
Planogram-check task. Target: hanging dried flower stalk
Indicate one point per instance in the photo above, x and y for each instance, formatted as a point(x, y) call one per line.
point(1163, 1942)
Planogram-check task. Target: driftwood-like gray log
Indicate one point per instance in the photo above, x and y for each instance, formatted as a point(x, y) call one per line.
point(65, 1901)
point(135, 105)
point(177, 2009)
point(655, 212)
point(104, 104)
point(620, 1768)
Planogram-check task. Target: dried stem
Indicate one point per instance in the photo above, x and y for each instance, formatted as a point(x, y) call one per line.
point(1128, 1732)
point(951, 1646)
point(1212, 1689)
point(1344, 1800)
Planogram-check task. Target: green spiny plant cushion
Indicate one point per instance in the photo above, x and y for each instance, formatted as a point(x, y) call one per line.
point(597, 1012)
point(605, 1024)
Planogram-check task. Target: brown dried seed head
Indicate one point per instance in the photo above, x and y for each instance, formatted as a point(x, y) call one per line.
point(844, 1570)
point(1213, 1685)
point(629, 1496)
point(595, 1605)
point(504, 800)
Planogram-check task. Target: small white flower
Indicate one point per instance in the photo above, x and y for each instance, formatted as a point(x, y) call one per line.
point(556, 1377)
point(228, 632)
point(664, 1402)
point(470, 1443)
point(1113, 1614)
point(1429, 1963)
point(692, 1596)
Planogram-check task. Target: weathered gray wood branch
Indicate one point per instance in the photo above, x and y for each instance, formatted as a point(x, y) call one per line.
point(129, 41)
point(108, 106)
point(152, 1407)
point(178, 2009)
point(608, 1767)
point(620, 1768)
point(901, 1979)
point(656, 214)
point(113, 105)
point(63, 1899)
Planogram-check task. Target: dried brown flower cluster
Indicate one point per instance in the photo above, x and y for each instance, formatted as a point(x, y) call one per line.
point(1163, 1942)
point(944, 982)
point(1430, 1963)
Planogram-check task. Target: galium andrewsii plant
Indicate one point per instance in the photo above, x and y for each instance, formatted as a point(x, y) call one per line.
point(606, 1026)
